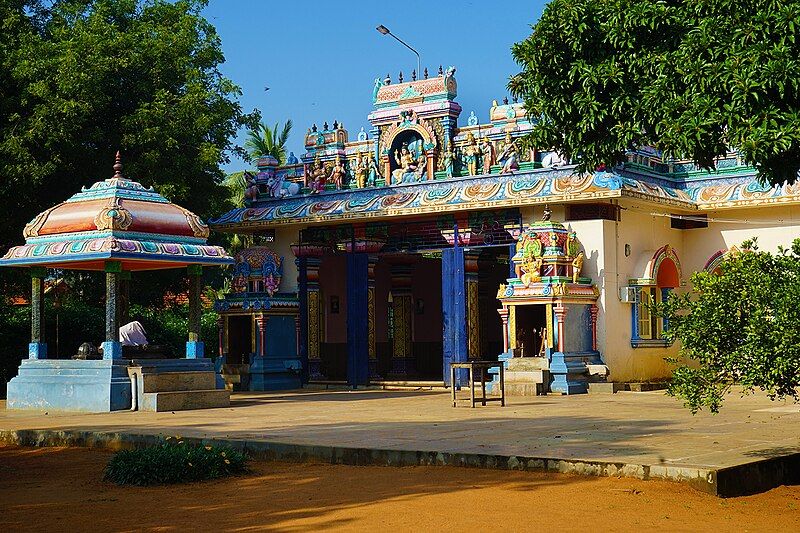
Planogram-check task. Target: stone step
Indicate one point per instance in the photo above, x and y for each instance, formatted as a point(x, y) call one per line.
point(526, 376)
point(185, 400)
point(178, 381)
point(524, 389)
point(527, 364)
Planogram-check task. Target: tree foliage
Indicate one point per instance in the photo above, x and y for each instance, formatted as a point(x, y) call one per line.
point(80, 79)
point(263, 141)
point(691, 78)
point(738, 326)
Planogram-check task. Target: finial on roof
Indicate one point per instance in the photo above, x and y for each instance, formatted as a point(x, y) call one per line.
point(414, 75)
point(547, 213)
point(387, 80)
point(426, 73)
point(400, 77)
point(325, 126)
point(118, 166)
point(314, 128)
point(505, 100)
point(335, 125)
point(441, 72)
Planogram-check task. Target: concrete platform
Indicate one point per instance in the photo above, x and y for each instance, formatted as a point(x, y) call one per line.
point(751, 446)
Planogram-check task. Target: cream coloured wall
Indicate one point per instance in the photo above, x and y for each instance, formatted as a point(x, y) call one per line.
point(774, 226)
point(284, 238)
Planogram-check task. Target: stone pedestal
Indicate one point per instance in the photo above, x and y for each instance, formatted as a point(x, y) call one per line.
point(68, 385)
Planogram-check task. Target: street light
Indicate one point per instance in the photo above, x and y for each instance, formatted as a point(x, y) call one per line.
point(383, 30)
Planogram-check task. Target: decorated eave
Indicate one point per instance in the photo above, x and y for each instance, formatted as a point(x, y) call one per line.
point(116, 220)
point(437, 196)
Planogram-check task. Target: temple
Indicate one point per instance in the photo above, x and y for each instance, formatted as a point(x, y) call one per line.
point(429, 239)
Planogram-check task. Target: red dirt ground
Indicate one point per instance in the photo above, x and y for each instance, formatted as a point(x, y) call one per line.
point(57, 489)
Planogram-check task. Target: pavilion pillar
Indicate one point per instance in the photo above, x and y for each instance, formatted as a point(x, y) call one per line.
point(473, 306)
point(37, 349)
point(124, 303)
point(112, 348)
point(593, 310)
point(503, 312)
point(561, 314)
point(221, 332)
point(195, 349)
point(402, 310)
point(261, 332)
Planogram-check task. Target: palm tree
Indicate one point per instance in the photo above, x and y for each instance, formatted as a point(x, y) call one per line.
point(263, 141)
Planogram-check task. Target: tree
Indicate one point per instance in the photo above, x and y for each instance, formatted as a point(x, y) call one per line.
point(263, 141)
point(691, 78)
point(738, 326)
point(84, 78)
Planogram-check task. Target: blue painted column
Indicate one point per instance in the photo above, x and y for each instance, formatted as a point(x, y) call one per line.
point(37, 349)
point(112, 349)
point(195, 348)
point(454, 308)
point(357, 319)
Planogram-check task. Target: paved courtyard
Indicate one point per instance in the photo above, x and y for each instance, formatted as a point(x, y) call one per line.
point(646, 429)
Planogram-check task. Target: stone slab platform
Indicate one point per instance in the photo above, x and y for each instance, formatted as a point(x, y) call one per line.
point(751, 446)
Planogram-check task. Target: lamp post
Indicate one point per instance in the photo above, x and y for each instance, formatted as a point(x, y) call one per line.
point(385, 31)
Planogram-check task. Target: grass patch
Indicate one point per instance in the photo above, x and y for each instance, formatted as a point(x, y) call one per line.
point(173, 462)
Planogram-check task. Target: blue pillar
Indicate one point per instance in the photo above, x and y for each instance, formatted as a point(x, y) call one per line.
point(357, 319)
point(454, 308)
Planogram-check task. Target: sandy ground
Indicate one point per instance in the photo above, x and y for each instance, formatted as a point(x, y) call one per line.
point(56, 489)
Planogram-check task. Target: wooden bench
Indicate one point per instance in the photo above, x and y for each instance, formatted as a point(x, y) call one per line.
point(483, 366)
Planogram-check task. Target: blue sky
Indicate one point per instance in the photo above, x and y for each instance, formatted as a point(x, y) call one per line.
point(320, 59)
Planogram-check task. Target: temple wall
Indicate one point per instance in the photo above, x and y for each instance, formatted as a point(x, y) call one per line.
point(427, 286)
point(774, 226)
point(284, 238)
point(333, 284)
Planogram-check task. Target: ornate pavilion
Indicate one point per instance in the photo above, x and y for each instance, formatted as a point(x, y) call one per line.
point(119, 227)
point(429, 239)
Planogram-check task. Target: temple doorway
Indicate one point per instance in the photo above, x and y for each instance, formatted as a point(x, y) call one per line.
point(240, 339)
point(531, 330)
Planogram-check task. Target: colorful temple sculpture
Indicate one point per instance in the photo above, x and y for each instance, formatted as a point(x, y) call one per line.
point(259, 326)
point(427, 240)
point(118, 227)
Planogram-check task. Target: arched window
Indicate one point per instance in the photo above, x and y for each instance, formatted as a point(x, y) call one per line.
point(662, 275)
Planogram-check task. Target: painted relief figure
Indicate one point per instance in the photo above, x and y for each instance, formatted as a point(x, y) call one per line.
point(374, 172)
point(360, 171)
point(471, 151)
point(408, 165)
point(338, 173)
point(449, 159)
point(318, 175)
point(510, 156)
point(487, 155)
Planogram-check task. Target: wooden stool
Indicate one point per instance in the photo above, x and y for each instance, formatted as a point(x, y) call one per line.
point(483, 366)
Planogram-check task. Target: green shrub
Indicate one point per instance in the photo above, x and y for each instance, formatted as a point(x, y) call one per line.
point(173, 462)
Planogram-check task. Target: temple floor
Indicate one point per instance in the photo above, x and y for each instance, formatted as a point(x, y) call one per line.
point(640, 430)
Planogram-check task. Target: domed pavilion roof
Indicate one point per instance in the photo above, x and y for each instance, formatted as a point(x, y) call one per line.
point(116, 220)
